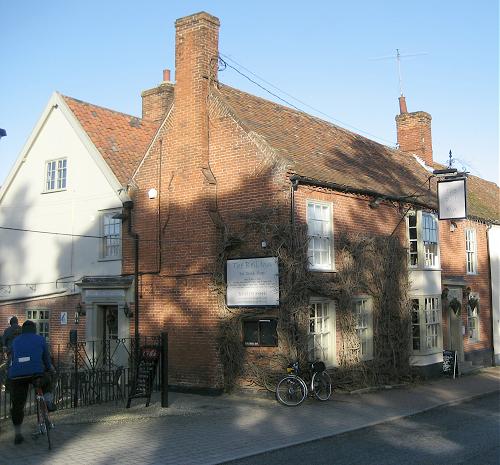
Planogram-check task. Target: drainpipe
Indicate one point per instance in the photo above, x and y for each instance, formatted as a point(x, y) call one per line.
point(128, 206)
point(293, 187)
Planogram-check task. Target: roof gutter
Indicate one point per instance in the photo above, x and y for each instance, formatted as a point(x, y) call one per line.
point(296, 179)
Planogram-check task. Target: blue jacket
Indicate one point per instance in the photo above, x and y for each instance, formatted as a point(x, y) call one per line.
point(30, 355)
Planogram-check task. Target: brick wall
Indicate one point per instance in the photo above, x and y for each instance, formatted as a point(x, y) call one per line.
point(58, 333)
point(211, 174)
point(454, 265)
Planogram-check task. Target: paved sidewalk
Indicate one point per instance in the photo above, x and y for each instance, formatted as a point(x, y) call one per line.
point(210, 430)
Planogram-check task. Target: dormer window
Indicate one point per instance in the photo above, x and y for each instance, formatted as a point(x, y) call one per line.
point(55, 174)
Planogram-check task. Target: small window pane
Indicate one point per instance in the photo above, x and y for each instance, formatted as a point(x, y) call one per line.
point(268, 335)
point(251, 333)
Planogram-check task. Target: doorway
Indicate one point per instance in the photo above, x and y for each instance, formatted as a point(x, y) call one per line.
point(455, 323)
point(107, 332)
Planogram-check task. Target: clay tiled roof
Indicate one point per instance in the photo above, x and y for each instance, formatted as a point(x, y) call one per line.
point(121, 139)
point(320, 151)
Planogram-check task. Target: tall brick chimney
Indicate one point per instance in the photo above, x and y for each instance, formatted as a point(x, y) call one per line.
point(414, 132)
point(196, 62)
point(157, 101)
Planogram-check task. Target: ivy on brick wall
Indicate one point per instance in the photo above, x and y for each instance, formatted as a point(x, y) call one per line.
point(374, 266)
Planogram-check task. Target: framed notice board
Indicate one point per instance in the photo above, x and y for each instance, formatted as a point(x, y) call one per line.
point(142, 385)
point(450, 363)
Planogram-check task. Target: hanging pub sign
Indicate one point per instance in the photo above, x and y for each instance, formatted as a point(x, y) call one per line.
point(252, 282)
point(452, 198)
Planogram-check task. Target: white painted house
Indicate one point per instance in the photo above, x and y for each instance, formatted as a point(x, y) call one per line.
point(494, 250)
point(60, 247)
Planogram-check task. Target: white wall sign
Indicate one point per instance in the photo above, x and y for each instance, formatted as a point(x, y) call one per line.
point(64, 318)
point(452, 199)
point(253, 282)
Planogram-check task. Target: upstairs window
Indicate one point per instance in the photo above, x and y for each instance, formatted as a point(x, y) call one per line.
point(471, 250)
point(55, 174)
point(430, 240)
point(320, 232)
point(423, 240)
point(111, 236)
point(413, 238)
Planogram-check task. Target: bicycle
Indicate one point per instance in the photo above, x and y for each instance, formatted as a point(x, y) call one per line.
point(44, 425)
point(293, 389)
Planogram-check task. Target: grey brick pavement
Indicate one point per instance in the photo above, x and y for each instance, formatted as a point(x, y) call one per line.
point(210, 430)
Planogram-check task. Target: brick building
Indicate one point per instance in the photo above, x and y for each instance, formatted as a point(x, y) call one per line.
point(216, 160)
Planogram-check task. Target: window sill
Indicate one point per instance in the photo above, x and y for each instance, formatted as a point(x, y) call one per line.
point(323, 270)
point(54, 190)
point(114, 259)
point(426, 353)
point(416, 268)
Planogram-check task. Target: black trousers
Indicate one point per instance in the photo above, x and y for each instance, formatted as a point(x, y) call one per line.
point(19, 393)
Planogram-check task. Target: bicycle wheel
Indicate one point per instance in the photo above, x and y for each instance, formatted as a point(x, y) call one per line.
point(291, 391)
point(322, 385)
point(45, 421)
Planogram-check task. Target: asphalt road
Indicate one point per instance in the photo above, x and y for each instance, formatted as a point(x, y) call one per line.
point(467, 433)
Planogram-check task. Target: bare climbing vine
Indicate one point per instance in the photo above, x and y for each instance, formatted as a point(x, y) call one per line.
point(370, 266)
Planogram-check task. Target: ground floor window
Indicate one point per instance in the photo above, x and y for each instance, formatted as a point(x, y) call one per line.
point(322, 331)
point(364, 326)
point(260, 333)
point(41, 320)
point(426, 325)
point(473, 318)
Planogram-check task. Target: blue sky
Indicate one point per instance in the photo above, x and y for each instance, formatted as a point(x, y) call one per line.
point(320, 52)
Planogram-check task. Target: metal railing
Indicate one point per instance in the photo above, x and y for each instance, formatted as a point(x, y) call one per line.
point(90, 372)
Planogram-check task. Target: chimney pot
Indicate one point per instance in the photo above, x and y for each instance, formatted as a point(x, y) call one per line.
point(166, 75)
point(402, 105)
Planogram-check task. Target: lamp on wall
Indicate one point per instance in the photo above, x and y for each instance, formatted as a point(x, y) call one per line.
point(79, 311)
point(126, 310)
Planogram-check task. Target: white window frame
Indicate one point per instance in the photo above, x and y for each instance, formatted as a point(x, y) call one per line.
point(363, 308)
point(322, 340)
point(427, 241)
point(320, 242)
point(110, 241)
point(471, 250)
point(56, 175)
point(427, 325)
point(473, 321)
point(41, 318)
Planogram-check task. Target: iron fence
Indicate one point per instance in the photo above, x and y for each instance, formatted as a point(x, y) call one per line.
point(90, 372)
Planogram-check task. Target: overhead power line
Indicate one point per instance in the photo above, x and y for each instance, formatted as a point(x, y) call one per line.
point(51, 232)
point(89, 236)
point(346, 125)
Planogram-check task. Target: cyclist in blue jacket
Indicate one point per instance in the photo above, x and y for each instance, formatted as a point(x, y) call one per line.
point(30, 359)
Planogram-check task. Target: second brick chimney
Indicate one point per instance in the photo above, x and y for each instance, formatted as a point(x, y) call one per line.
point(414, 132)
point(157, 101)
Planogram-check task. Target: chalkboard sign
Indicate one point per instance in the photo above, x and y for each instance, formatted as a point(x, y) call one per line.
point(145, 374)
point(450, 363)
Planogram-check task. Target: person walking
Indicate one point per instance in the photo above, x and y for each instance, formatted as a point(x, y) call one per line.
point(30, 359)
point(10, 333)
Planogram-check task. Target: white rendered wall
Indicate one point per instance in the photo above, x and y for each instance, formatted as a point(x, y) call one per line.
point(28, 258)
point(494, 250)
